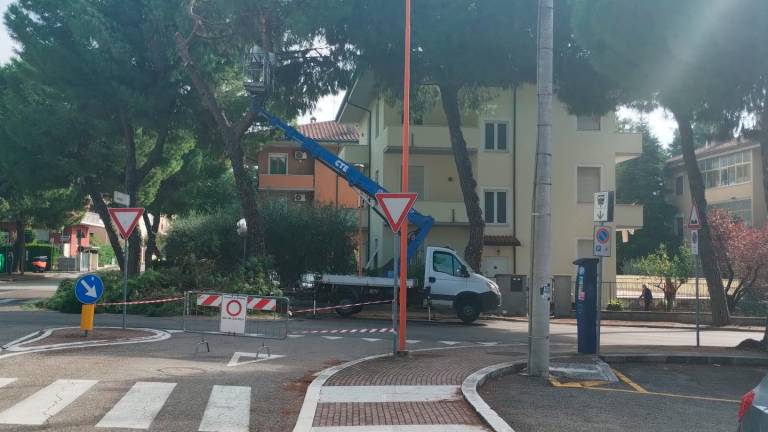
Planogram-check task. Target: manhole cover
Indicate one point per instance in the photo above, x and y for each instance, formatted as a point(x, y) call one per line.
point(182, 371)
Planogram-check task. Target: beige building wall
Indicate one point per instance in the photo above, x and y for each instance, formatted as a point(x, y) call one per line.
point(499, 171)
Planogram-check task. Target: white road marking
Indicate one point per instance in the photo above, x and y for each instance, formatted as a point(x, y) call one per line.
point(370, 339)
point(401, 428)
point(228, 410)
point(258, 357)
point(5, 381)
point(294, 336)
point(449, 342)
point(488, 343)
point(47, 402)
point(411, 341)
point(139, 407)
point(332, 337)
point(395, 393)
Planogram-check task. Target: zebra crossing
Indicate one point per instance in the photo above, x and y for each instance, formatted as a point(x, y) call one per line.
point(228, 407)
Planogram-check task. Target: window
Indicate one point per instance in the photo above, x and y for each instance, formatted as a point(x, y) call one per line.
point(376, 118)
point(587, 184)
point(739, 210)
point(732, 169)
point(679, 226)
point(278, 163)
point(679, 185)
point(496, 136)
point(495, 207)
point(444, 262)
point(588, 123)
point(416, 180)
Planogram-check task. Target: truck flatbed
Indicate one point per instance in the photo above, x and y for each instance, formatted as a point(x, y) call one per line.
point(360, 281)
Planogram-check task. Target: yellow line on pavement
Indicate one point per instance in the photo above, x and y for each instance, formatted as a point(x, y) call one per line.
point(576, 384)
point(665, 394)
point(629, 382)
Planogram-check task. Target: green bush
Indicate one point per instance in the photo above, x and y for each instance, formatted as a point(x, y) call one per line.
point(106, 253)
point(615, 305)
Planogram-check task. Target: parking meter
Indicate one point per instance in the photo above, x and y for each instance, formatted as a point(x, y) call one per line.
point(586, 304)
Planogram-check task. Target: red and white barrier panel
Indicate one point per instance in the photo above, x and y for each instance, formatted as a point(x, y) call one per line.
point(262, 304)
point(209, 300)
point(165, 300)
point(254, 303)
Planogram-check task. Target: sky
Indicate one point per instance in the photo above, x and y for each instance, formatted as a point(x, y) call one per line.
point(660, 122)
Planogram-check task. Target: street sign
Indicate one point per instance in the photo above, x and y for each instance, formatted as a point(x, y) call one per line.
point(89, 289)
point(601, 241)
point(695, 242)
point(693, 219)
point(126, 219)
point(396, 207)
point(233, 313)
point(121, 198)
point(603, 207)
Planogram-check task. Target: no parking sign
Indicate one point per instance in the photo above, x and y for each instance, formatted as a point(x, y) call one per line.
point(233, 313)
point(602, 241)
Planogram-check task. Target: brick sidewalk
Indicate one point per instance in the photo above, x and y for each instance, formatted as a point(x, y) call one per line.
point(419, 390)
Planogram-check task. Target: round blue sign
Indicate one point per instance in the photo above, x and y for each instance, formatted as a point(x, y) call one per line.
point(603, 235)
point(89, 289)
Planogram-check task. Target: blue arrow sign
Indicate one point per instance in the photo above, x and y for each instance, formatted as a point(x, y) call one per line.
point(88, 289)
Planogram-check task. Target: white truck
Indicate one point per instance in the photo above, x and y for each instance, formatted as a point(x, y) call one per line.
point(447, 283)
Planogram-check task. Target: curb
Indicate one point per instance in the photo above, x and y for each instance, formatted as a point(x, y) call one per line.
point(698, 359)
point(640, 324)
point(469, 390)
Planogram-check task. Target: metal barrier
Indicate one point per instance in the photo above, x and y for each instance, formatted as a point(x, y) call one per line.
point(262, 317)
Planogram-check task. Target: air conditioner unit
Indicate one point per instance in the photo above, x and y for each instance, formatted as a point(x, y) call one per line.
point(299, 155)
point(299, 197)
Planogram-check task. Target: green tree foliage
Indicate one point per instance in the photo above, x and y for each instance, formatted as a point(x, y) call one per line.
point(671, 269)
point(641, 181)
point(301, 239)
point(681, 55)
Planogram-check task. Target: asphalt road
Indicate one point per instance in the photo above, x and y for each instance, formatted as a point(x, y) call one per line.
point(679, 398)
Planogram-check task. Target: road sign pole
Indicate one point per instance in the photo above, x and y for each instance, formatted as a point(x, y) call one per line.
point(404, 181)
point(698, 301)
point(395, 292)
point(599, 299)
point(126, 258)
point(86, 318)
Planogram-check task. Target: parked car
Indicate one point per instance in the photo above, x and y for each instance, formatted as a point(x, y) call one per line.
point(40, 264)
point(753, 412)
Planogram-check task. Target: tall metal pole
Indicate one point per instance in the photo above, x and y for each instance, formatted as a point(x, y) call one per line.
point(538, 356)
point(125, 282)
point(599, 305)
point(395, 293)
point(404, 181)
point(698, 304)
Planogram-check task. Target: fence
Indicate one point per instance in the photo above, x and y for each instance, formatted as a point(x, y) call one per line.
point(264, 317)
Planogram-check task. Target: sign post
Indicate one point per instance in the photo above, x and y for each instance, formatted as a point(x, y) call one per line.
point(694, 225)
point(126, 220)
point(404, 178)
point(395, 207)
point(88, 290)
point(602, 239)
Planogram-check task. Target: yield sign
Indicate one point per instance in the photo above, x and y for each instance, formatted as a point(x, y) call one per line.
point(126, 219)
point(693, 219)
point(396, 207)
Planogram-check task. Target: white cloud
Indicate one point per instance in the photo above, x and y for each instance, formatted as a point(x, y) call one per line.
point(6, 43)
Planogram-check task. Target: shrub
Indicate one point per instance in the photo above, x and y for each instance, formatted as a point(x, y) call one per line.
point(615, 305)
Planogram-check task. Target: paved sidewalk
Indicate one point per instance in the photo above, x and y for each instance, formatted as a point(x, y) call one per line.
point(420, 392)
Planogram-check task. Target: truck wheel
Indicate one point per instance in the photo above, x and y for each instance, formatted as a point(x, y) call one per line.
point(468, 310)
point(348, 299)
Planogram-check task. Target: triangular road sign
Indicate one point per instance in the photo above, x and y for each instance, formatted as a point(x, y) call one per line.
point(693, 219)
point(126, 219)
point(259, 357)
point(396, 207)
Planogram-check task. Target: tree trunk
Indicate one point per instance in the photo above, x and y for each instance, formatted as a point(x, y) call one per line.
point(151, 248)
point(720, 315)
point(101, 208)
point(247, 193)
point(20, 253)
point(764, 152)
point(474, 251)
point(132, 188)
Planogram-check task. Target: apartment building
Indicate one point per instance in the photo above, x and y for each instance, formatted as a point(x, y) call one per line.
point(733, 179)
point(501, 140)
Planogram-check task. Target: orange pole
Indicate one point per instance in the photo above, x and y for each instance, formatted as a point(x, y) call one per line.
point(404, 182)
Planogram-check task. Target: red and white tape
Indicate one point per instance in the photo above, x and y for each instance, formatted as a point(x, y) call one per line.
point(338, 307)
point(165, 300)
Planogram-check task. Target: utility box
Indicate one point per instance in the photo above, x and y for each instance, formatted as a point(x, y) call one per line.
point(563, 296)
point(514, 294)
point(586, 305)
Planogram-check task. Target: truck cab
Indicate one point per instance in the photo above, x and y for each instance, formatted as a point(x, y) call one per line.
point(449, 282)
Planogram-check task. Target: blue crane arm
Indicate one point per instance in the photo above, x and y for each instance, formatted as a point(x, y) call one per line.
point(354, 177)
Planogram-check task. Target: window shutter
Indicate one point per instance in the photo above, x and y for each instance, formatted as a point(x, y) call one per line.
point(588, 183)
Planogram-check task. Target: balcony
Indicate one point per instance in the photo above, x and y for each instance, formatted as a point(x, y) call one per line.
point(444, 212)
point(429, 139)
point(627, 145)
point(286, 182)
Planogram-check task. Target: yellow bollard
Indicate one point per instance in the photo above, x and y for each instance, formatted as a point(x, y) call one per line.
point(86, 318)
